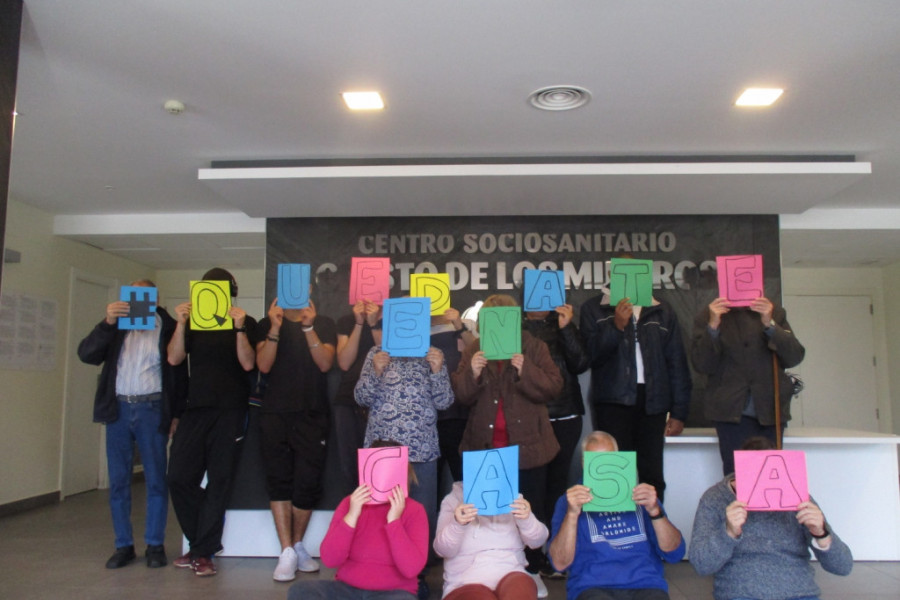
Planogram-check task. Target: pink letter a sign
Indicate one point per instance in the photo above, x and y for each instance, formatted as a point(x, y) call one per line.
point(771, 479)
point(383, 469)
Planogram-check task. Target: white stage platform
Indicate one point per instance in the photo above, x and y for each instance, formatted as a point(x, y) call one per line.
point(853, 476)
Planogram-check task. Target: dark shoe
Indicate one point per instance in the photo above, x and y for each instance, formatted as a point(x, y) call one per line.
point(185, 561)
point(204, 567)
point(156, 556)
point(121, 557)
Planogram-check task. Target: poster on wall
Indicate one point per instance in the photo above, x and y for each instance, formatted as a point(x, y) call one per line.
point(490, 255)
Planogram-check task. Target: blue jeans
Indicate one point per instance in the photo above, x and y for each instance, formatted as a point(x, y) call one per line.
point(139, 423)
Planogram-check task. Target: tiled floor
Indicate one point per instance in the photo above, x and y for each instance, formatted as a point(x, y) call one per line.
point(58, 552)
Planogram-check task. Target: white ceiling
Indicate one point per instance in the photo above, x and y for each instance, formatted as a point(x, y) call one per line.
point(261, 81)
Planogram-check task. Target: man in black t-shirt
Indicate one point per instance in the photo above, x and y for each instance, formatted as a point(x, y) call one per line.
point(296, 349)
point(208, 435)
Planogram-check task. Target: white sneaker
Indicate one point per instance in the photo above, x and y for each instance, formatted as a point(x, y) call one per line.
point(287, 566)
point(541, 588)
point(305, 562)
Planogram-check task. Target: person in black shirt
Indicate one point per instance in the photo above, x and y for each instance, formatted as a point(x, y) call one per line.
point(208, 435)
point(297, 351)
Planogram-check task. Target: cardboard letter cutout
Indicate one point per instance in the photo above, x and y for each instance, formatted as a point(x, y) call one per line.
point(740, 278)
point(382, 469)
point(142, 307)
point(406, 326)
point(370, 279)
point(544, 290)
point(771, 479)
point(611, 477)
point(500, 330)
point(293, 285)
point(491, 479)
point(432, 285)
point(631, 278)
point(210, 303)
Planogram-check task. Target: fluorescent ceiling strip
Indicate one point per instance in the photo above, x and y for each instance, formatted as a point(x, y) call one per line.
point(519, 170)
point(843, 218)
point(157, 223)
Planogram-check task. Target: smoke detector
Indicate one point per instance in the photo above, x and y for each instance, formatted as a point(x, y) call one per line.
point(174, 107)
point(559, 97)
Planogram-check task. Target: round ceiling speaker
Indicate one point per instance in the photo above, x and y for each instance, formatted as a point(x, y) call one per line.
point(559, 97)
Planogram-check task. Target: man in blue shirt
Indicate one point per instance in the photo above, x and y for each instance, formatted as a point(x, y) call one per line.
point(613, 555)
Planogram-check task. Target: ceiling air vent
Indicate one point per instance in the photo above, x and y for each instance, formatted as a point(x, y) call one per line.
point(559, 97)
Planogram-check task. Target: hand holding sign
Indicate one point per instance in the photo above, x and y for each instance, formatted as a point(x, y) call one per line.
point(370, 279)
point(491, 479)
point(544, 290)
point(740, 278)
point(383, 469)
point(611, 477)
point(210, 305)
point(406, 326)
point(141, 307)
point(500, 330)
point(631, 278)
point(431, 285)
point(293, 285)
point(771, 479)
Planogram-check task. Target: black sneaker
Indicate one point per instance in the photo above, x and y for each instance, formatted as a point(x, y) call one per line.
point(121, 557)
point(156, 556)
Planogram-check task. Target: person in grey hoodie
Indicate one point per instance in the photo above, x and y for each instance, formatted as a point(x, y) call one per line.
point(762, 555)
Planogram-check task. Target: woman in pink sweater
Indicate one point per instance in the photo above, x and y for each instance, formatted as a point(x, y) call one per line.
point(377, 549)
point(484, 557)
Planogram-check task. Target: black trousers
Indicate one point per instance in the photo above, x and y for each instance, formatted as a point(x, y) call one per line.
point(207, 441)
point(637, 431)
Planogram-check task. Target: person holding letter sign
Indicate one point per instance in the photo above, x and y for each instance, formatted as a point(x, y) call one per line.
point(208, 435)
point(613, 555)
point(640, 382)
point(508, 404)
point(297, 351)
point(734, 347)
point(484, 556)
point(378, 549)
point(139, 398)
point(403, 395)
point(762, 554)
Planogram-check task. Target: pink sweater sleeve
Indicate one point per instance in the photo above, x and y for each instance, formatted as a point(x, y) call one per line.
point(408, 539)
point(335, 547)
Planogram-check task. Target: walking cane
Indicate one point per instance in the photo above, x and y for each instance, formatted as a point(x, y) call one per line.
point(778, 440)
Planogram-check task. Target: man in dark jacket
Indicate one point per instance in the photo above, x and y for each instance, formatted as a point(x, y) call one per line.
point(640, 381)
point(139, 398)
point(736, 348)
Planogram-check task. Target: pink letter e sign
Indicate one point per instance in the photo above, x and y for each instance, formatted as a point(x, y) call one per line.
point(740, 278)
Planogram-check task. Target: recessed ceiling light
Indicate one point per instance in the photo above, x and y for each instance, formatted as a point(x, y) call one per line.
point(363, 100)
point(559, 97)
point(759, 97)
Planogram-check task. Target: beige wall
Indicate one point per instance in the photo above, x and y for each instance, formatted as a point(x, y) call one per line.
point(31, 402)
point(892, 333)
